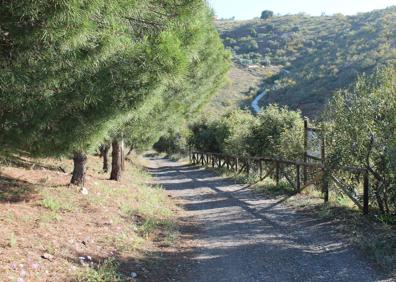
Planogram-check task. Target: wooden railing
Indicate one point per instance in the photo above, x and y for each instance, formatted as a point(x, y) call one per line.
point(298, 174)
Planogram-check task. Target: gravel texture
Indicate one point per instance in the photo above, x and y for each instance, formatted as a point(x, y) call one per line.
point(241, 236)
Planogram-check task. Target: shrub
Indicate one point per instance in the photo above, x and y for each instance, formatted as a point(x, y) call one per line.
point(171, 143)
point(278, 132)
point(208, 136)
point(361, 126)
point(266, 14)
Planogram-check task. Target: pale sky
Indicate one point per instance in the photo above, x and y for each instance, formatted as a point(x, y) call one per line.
point(248, 9)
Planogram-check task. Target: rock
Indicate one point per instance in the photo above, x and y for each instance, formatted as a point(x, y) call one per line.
point(23, 273)
point(83, 262)
point(84, 191)
point(134, 274)
point(48, 256)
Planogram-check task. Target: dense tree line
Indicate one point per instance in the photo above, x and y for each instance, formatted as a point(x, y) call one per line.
point(77, 73)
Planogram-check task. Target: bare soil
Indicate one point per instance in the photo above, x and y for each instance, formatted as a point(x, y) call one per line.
point(51, 231)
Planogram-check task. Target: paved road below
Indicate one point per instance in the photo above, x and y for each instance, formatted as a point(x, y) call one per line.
point(240, 236)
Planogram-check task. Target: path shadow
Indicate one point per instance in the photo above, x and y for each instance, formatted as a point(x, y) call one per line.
point(230, 212)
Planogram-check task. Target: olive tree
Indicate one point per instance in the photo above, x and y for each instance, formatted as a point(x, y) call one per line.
point(361, 131)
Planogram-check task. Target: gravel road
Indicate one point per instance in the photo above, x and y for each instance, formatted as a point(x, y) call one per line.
point(241, 236)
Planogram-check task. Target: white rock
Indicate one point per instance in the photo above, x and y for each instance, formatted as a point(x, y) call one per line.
point(84, 191)
point(134, 274)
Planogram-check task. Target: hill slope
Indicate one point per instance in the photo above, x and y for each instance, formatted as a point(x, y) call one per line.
point(315, 56)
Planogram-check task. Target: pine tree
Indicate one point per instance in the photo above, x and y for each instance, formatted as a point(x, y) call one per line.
point(73, 70)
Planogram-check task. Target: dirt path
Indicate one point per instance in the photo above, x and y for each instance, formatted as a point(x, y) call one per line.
point(255, 103)
point(240, 236)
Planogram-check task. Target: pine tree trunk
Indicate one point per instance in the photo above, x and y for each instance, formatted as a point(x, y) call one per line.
point(101, 148)
point(116, 161)
point(79, 170)
point(122, 156)
point(105, 155)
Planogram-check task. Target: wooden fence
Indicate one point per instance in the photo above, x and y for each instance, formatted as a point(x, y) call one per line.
point(298, 174)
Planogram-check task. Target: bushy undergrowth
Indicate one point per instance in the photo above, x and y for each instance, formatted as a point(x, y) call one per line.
point(275, 131)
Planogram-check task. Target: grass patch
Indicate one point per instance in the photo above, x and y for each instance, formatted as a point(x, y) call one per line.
point(56, 204)
point(105, 272)
point(269, 188)
point(126, 241)
point(381, 248)
point(13, 241)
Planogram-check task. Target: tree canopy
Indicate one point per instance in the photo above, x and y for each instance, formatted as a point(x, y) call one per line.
point(73, 71)
point(266, 14)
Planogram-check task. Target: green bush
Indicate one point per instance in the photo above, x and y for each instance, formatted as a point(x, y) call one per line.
point(208, 136)
point(266, 14)
point(278, 132)
point(171, 143)
point(274, 132)
point(361, 126)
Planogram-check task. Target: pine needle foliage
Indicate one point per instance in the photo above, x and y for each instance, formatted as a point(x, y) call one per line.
point(72, 71)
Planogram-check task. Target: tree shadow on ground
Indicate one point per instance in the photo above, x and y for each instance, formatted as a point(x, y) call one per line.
point(245, 241)
point(26, 163)
point(231, 213)
point(15, 190)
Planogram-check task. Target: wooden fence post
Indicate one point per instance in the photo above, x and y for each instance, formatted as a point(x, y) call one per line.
point(366, 193)
point(298, 180)
point(261, 169)
point(277, 172)
point(236, 164)
point(305, 175)
point(325, 185)
point(247, 166)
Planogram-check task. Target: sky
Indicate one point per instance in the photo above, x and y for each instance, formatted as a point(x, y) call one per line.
point(248, 9)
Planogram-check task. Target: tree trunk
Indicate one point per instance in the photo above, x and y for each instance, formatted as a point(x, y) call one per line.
point(122, 155)
point(101, 149)
point(116, 161)
point(105, 155)
point(79, 170)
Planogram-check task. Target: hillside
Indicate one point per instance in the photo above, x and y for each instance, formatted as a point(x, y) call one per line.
point(315, 55)
point(242, 84)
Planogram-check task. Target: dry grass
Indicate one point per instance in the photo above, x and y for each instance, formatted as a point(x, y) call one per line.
point(50, 231)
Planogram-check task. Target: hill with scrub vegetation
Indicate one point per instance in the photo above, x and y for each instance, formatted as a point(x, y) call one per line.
point(312, 56)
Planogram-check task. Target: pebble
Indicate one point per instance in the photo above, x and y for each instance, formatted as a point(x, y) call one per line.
point(84, 191)
point(48, 256)
point(134, 274)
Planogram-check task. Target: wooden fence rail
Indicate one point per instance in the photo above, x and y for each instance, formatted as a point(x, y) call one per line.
point(298, 174)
